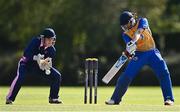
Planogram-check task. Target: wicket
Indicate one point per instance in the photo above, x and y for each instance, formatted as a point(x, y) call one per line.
point(91, 71)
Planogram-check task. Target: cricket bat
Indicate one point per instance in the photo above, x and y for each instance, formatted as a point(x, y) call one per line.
point(115, 68)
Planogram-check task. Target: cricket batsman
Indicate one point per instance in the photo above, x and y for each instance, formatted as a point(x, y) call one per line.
point(38, 56)
point(140, 44)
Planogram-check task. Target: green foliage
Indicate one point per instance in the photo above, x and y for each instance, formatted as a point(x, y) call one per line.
point(85, 28)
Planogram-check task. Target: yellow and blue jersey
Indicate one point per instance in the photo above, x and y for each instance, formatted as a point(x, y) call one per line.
point(146, 54)
point(146, 41)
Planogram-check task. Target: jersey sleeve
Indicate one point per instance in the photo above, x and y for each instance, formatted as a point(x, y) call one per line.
point(51, 52)
point(126, 38)
point(31, 48)
point(143, 23)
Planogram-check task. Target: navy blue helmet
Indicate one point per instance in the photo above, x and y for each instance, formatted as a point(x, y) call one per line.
point(48, 33)
point(127, 20)
point(125, 17)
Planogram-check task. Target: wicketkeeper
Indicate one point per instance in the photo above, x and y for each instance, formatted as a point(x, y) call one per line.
point(38, 56)
point(139, 41)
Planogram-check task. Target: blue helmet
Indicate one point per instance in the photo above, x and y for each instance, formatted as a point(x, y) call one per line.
point(48, 33)
point(125, 17)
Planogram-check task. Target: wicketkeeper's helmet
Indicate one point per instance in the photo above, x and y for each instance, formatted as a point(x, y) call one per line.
point(48, 33)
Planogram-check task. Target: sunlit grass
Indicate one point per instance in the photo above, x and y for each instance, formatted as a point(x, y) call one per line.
point(136, 99)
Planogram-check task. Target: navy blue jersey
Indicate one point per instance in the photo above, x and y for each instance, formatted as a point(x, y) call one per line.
point(35, 47)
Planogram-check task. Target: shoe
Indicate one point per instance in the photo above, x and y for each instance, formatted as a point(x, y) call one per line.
point(110, 102)
point(9, 102)
point(169, 102)
point(55, 101)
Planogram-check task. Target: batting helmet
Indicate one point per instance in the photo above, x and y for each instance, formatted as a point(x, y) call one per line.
point(48, 33)
point(125, 17)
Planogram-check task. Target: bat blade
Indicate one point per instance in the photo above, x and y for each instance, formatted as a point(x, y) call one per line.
point(115, 68)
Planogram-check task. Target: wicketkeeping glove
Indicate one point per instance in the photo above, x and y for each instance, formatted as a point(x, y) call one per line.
point(48, 63)
point(44, 64)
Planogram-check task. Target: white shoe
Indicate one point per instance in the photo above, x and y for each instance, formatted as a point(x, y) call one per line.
point(110, 102)
point(169, 102)
point(55, 101)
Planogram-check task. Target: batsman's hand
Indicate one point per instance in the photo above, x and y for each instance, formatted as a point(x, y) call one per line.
point(130, 56)
point(131, 47)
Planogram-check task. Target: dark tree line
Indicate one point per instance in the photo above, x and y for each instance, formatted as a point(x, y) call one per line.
point(85, 28)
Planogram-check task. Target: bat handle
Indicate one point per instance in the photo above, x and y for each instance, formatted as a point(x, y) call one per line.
point(128, 54)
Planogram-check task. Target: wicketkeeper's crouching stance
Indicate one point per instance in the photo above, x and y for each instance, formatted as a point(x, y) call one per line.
point(38, 56)
point(137, 35)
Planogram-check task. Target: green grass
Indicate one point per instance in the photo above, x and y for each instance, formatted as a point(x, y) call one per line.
point(136, 99)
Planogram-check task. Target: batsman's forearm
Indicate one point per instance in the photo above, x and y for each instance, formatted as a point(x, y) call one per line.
point(137, 35)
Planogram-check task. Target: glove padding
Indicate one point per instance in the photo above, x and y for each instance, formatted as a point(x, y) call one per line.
point(131, 47)
point(44, 64)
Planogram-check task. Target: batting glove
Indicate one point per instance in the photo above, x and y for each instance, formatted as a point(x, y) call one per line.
point(131, 47)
